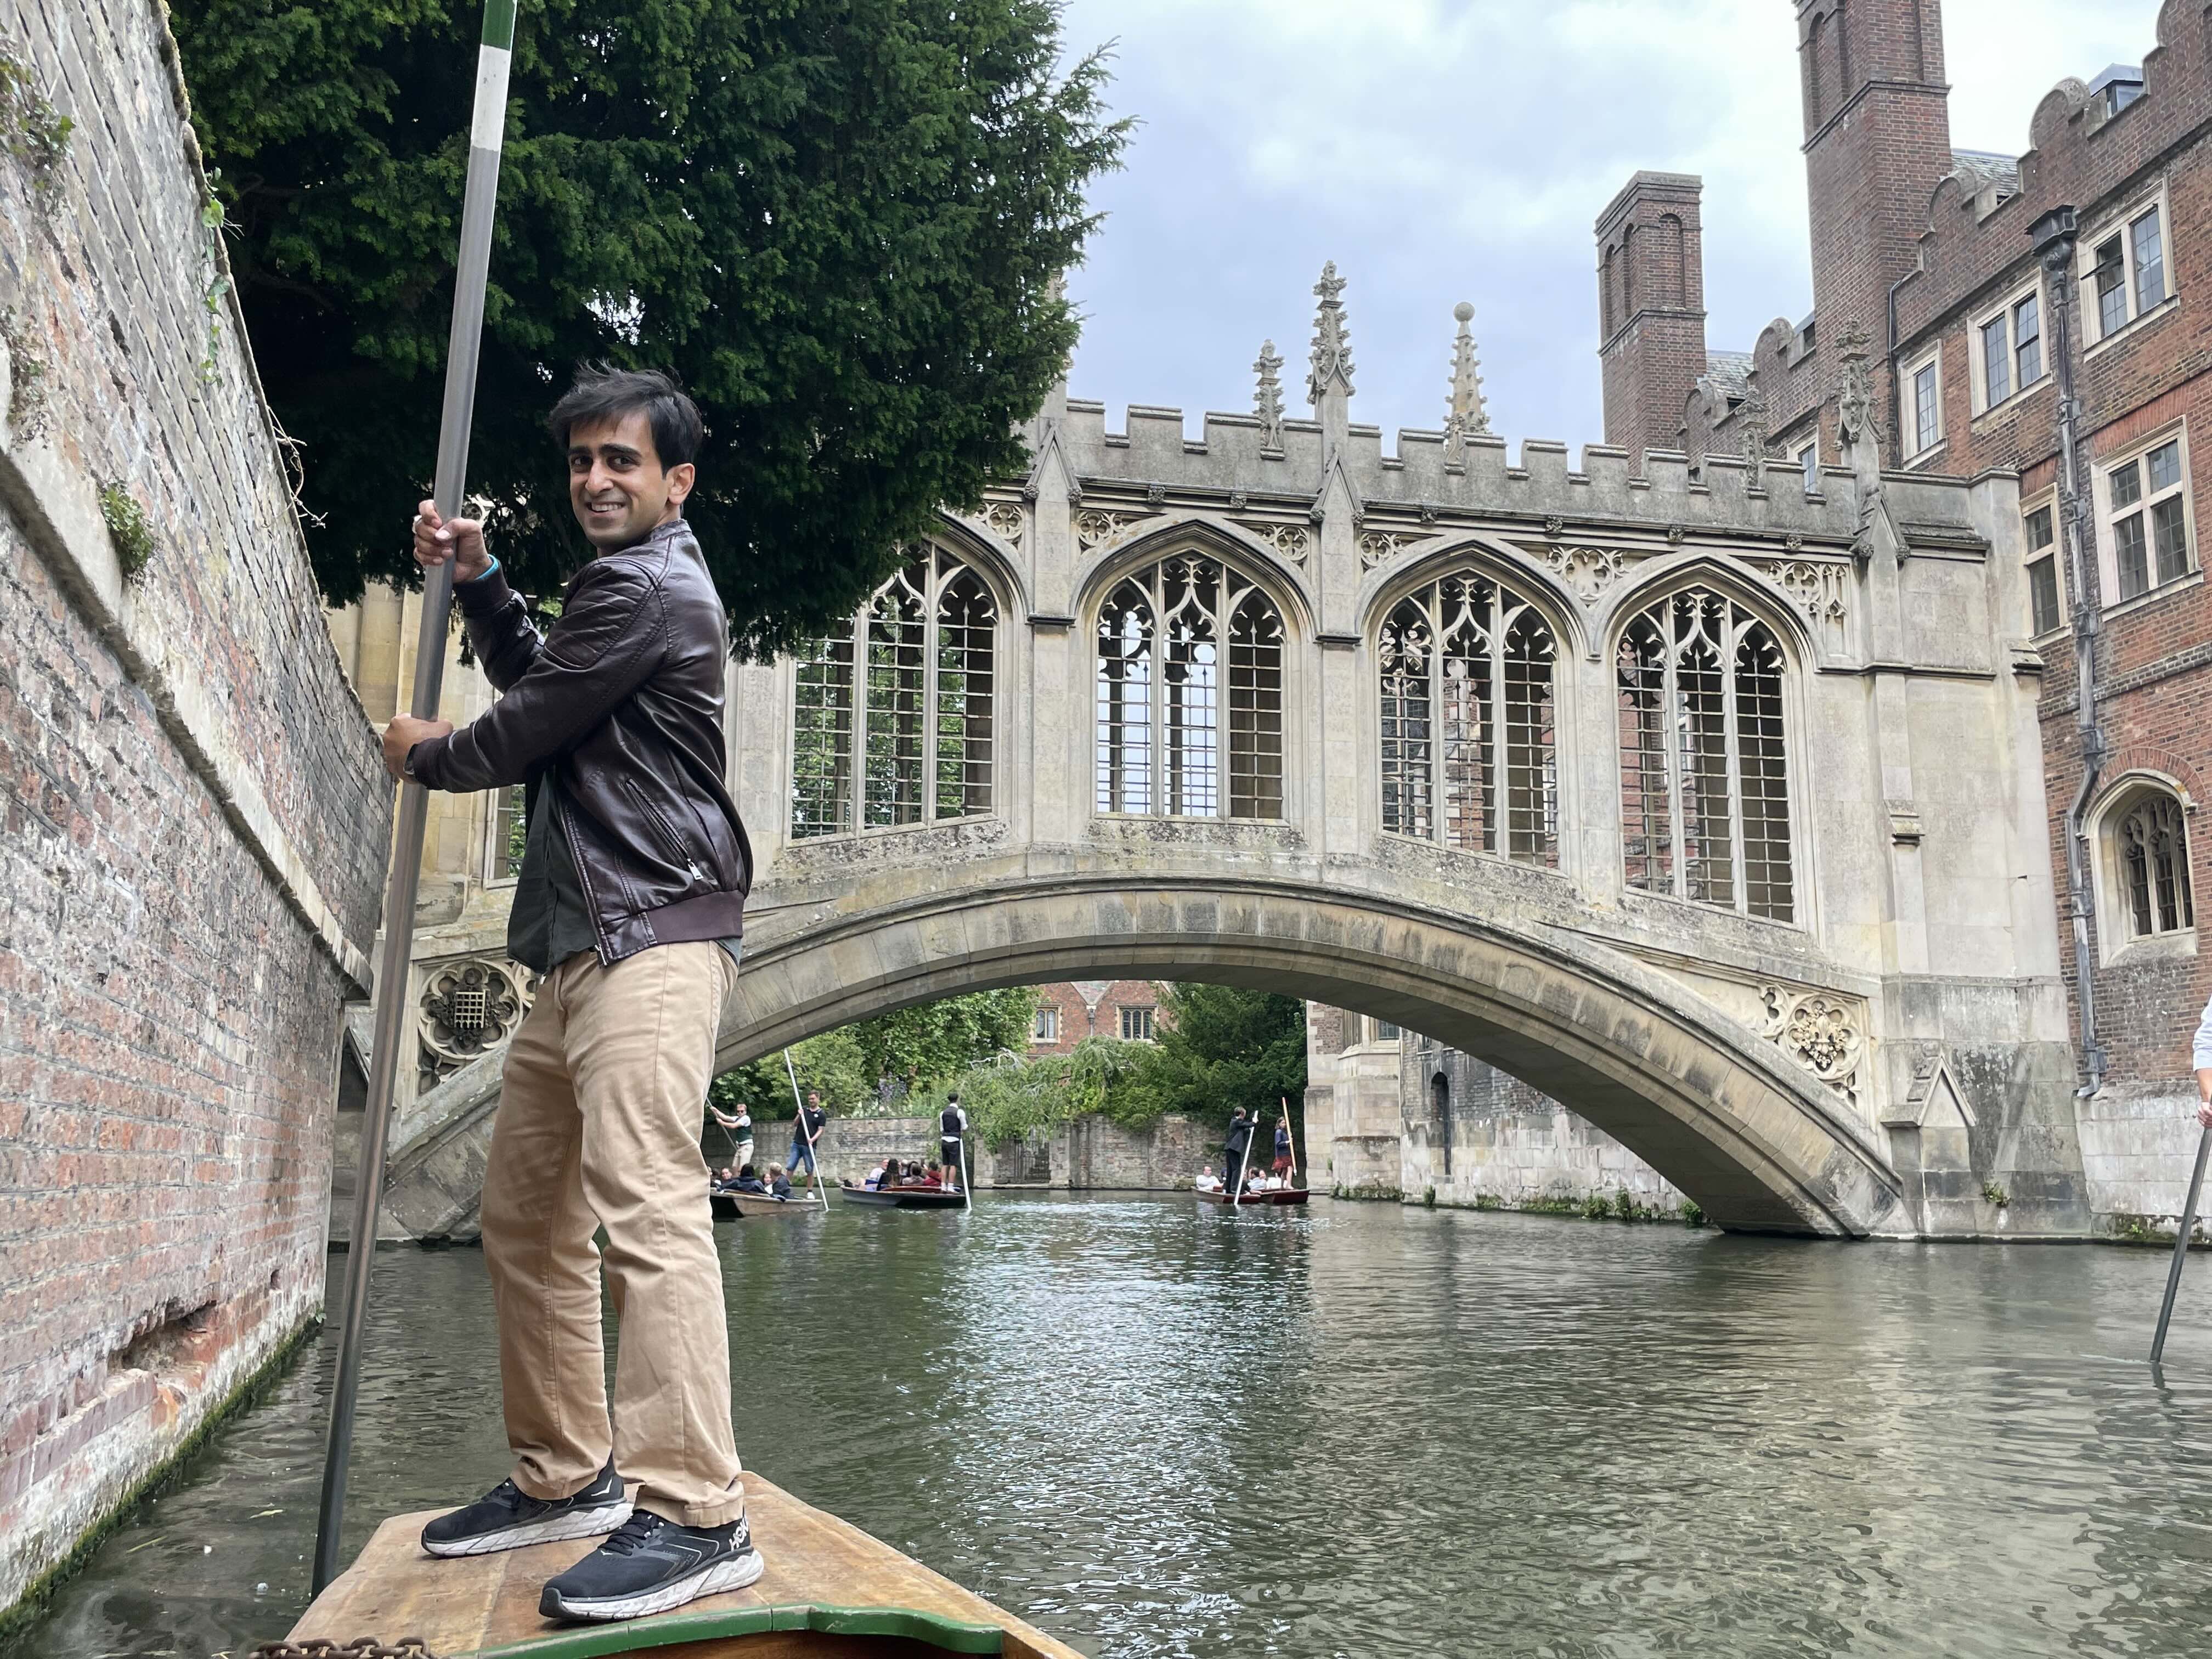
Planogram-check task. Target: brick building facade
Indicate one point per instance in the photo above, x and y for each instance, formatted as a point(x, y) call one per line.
point(1068, 1012)
point(195, 814)
point(1959, 267)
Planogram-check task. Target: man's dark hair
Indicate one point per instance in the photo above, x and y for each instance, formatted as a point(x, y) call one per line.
point(602, 392)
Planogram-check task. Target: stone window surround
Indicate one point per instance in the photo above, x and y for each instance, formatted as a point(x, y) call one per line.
point(793, 662)
point(491, 875)
point(2120, 223)
point(1138, 1022)
point(2108, 568)
point(2116, 942)
point(2046, 500)
point(1808, 464)
point(1804, 877)
point(1976, 365)
point(1046, 1027)
point(1100, 585)
point(1926, 447)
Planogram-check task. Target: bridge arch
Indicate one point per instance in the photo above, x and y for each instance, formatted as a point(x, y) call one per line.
point(1721, 1114)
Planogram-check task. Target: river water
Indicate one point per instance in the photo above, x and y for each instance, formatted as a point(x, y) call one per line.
point(1359, 1431)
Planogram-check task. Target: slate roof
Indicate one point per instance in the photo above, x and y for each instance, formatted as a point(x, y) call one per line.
point(1729, 372)
point(1978, 169)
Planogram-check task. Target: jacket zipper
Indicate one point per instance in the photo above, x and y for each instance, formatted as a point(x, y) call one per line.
point(668, 833)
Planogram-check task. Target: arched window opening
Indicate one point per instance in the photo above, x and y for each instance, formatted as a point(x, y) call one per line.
point(1163, 681)
point(1705, 785)
point(2152, 843)
point(892, 723)
point(1468, 752)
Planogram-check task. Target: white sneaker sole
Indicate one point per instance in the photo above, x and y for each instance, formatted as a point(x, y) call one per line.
point(576, 1524)
point(724, 1576)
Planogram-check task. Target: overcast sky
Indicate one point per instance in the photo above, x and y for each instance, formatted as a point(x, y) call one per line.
point(1441, 150)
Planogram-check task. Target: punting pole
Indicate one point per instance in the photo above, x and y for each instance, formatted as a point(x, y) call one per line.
point(487, 131)
point(2181, 1245)
point(799, 1108)
point(1243, 1163)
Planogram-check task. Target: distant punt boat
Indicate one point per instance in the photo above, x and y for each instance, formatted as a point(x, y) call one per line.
point(1281, 1195)
point(830, 1590)
point(903, 1198)
point(728, 1206)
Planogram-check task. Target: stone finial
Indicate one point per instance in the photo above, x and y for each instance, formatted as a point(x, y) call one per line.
point(1750, 417)
point(1855, 402)
point(1269, 405)
point(1332, 344)
point(1467, 413)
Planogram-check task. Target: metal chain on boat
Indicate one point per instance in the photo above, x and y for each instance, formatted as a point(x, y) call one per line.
point(361, 1647)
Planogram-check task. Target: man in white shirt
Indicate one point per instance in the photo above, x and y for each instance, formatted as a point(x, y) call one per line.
point(2201, 1058)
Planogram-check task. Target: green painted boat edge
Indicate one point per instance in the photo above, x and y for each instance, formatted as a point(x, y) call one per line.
point(635, 1636)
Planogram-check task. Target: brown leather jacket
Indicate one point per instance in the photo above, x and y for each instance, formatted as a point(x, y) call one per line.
point(619, 708)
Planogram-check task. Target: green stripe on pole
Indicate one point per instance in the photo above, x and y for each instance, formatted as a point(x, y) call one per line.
point(499, 24)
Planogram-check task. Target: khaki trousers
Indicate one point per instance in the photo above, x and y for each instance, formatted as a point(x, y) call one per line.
point(599, 1127)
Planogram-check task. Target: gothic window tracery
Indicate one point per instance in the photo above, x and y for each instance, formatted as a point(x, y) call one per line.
point(893, 719)
point(2151, 843)
point(1704, 784)
point(1468, 752)
point(1189, 695)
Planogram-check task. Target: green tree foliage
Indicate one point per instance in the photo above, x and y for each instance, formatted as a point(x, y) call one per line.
point(1008, 1099)
point(935, 1041)
point(921, 1047)
point(840, 221)
point(829, 1064)
point(1220, 1047)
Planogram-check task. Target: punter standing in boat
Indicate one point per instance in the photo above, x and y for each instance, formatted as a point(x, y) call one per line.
point(952, 1138)
point(807, 1134)
point(631, 903)
point(1238, 1147)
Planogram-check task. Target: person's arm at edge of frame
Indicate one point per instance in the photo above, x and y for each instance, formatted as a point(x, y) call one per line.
point(2201, 1057)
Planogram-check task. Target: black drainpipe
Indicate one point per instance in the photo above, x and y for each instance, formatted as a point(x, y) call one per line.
point(2054, 236)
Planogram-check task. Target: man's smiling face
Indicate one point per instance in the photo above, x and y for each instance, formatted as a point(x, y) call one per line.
point(616, 485)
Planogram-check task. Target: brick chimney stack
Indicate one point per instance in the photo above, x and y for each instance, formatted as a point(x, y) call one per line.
point(1877, 143)
point(1651, 308)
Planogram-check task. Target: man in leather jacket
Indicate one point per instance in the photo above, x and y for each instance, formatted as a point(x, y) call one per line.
point(630, 904)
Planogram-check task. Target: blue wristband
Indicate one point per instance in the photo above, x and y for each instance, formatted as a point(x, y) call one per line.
point(486, 571)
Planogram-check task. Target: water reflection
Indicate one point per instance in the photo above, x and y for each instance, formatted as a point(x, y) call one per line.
point(1162, 1432)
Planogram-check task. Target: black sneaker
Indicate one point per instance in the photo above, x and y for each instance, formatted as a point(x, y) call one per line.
point(652, 1565)
point(506, 1518)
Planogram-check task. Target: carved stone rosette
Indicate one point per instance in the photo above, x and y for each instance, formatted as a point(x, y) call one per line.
point(1587, 571)
point(1292, 541)
point(1004, 520)
point(469, 1007)
point(1378, 546)
point(1820, 1032)
point(1095, 527)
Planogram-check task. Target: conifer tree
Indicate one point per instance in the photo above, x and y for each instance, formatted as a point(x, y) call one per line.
point(840, 222)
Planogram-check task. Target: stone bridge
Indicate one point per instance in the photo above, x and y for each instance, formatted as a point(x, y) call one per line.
point(1710, 806)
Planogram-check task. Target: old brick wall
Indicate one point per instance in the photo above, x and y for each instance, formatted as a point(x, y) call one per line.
point(195, 818)
point(2154, 652)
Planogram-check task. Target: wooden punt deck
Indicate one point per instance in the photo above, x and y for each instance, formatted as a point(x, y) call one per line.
point(830, 1592)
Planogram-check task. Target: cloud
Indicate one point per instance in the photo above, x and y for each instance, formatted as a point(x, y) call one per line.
point(1447, 149)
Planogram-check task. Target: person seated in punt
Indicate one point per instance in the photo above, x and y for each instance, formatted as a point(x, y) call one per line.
point(749, 1181)
point(932, 1177)
point(779, 1183)
point(722, 1180)
point(1208, 1181)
